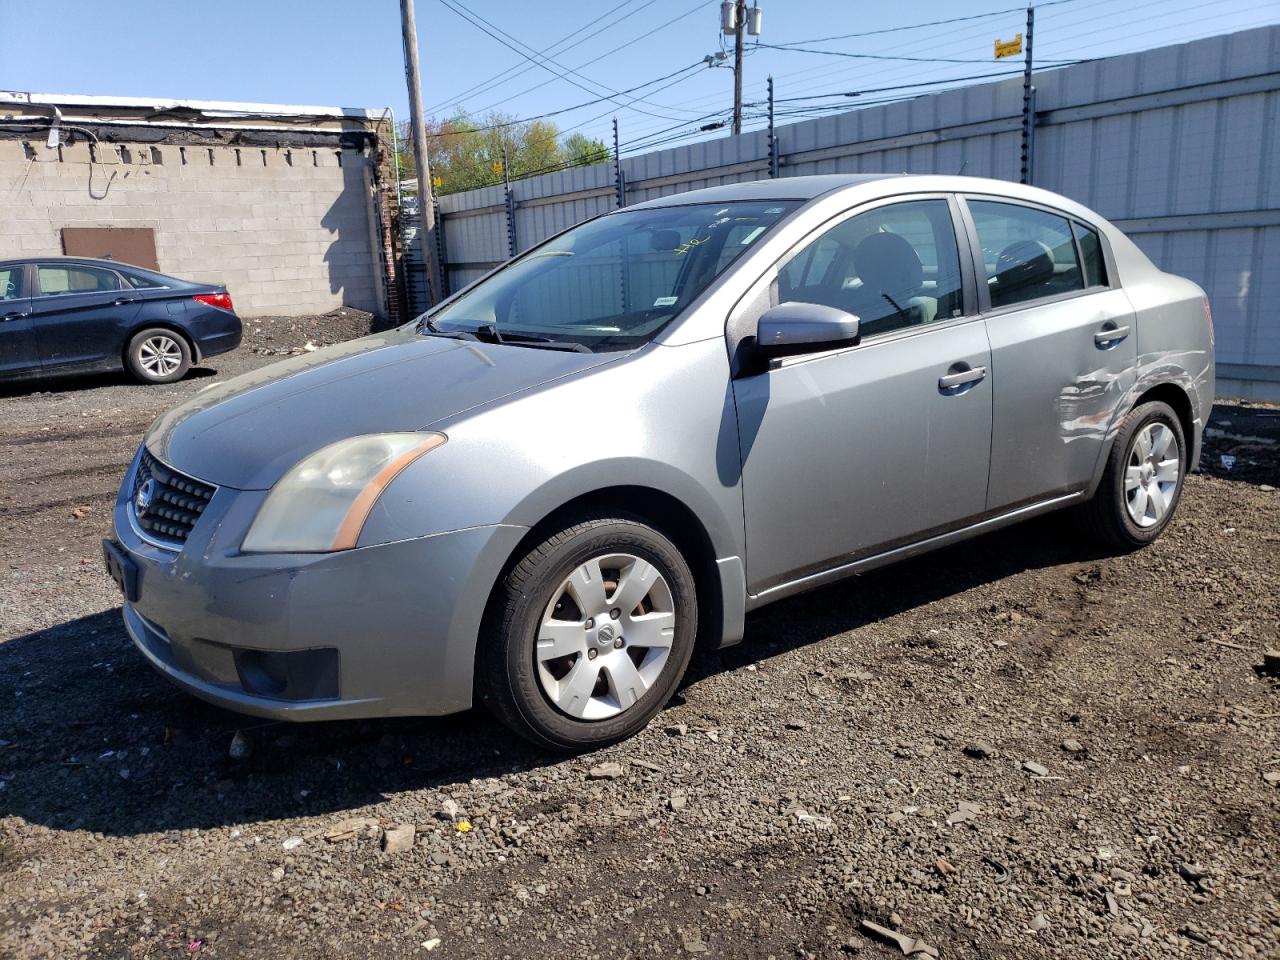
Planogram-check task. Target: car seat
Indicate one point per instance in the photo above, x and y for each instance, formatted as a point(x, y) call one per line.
point(892, 284)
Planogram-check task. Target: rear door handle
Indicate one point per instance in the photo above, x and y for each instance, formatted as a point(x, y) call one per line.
point(14, 316)
point(1110, 337)
point(962, 378)
point(121, 301)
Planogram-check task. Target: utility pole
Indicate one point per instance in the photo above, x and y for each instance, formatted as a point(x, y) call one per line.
point(740, 24)
point(426, 200)
point(1028, 105)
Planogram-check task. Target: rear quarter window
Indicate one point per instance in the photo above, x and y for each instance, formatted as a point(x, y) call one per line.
point(1095, 267)
point(140, 282)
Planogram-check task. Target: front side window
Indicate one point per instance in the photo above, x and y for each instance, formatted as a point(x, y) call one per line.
point(614, 282)
point(892, 267)
point(1028, 254)
point(10, 283)
point(55, 280)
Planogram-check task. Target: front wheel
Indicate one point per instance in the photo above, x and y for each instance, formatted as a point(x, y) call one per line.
point(590, 634)
point(1142, 481)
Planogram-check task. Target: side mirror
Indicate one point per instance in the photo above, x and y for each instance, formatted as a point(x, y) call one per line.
point(792, 328)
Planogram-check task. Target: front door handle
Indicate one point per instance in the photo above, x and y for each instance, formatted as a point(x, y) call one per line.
point(1110, 336)
point(14, 316)
point(962, 378)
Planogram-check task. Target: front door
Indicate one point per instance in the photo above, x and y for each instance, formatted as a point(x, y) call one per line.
point(81, 313)
point(850, 452)
point(18, 352)
point(1063, 348)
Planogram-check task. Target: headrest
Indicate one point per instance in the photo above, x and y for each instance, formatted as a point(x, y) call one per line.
point(1026, 263)
point(887, 263)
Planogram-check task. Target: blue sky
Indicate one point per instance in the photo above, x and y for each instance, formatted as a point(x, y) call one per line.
point(348, 53)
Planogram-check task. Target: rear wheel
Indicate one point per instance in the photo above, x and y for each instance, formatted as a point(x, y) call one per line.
point(157, 355)
point(591, 633)
point(1142, 482)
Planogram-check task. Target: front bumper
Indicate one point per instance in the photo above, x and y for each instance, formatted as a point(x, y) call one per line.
point(386, 630)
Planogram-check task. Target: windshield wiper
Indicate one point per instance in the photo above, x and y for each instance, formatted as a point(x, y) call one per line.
point(429, 325)
point(489, 333)
point(544, 343)
point(570, 345)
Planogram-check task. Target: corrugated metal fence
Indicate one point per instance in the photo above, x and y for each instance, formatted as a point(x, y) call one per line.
point(1179, 146)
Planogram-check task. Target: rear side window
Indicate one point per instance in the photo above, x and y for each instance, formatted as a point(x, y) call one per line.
point(1095, 269)
point(10, 283)
point(55, 280)
point(1028, 254)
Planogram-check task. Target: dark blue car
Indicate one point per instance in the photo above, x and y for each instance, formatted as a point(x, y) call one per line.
point(75, 315)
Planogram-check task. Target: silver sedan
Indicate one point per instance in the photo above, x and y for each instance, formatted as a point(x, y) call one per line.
point(541, 494)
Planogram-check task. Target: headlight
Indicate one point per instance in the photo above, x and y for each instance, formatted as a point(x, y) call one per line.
point(322, 503)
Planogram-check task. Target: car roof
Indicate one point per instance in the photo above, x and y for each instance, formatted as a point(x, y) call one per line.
point(86, 261)
point(783, 188)
point(869, 186)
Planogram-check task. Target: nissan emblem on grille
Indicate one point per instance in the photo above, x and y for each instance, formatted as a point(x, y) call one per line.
point(145, 492)
point(166, 504)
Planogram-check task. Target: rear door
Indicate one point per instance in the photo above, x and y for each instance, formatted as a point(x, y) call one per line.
point(1063, 346)
point(18, 352)
point(82, 313)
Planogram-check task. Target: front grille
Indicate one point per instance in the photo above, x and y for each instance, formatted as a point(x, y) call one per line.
point(166, 504)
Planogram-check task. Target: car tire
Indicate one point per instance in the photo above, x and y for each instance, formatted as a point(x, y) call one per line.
point(561, 662)
point(1142, 481)
point(157, 355)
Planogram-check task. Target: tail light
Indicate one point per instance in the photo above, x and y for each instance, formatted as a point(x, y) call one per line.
point(220, 300)
point(1208, 315)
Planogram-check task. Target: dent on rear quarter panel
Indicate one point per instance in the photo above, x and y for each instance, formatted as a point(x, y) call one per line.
point(1174, 343)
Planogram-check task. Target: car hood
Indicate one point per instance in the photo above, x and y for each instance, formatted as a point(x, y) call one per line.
point(247, 432)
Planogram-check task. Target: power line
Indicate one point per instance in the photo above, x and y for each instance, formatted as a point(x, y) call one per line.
point(503, 76)
point(622, 46)
point(901, 86)
point(874, 56)
point(931, 23)
point(562, 110)
point(511, 43)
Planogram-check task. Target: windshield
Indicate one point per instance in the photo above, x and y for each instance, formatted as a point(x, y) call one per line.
point(614, 282)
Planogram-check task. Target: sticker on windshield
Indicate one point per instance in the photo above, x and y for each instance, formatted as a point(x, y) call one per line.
point(751, 236)
point(774, 210)
point(665, 301)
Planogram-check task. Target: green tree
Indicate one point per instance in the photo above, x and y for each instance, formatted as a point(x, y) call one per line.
point(466, 153)
point(583, 150)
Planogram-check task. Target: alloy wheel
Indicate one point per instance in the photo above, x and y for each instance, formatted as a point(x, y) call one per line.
point(1152, 475)
point(159, 355)
point(605, 637)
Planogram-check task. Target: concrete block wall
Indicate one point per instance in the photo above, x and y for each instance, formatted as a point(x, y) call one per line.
point(290, 231)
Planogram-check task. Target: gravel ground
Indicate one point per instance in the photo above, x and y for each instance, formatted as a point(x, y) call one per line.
point(1019, 747)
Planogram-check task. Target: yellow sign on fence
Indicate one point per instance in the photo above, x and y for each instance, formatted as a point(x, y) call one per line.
point(1009, 48)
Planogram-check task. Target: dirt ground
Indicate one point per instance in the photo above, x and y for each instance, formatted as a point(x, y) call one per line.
point(1019, 747)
